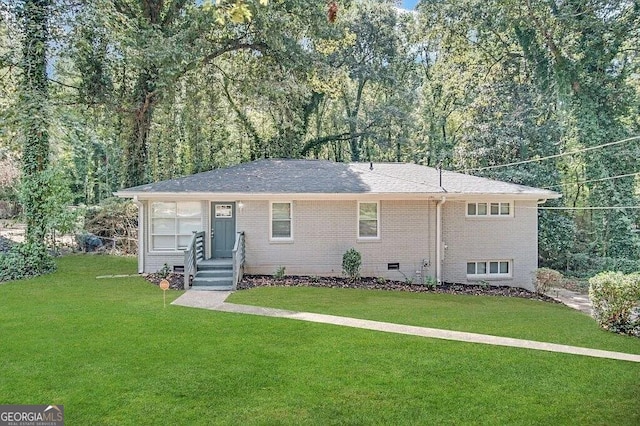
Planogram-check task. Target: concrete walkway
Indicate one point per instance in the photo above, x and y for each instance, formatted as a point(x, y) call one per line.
point(572, 299)
point(215, 300)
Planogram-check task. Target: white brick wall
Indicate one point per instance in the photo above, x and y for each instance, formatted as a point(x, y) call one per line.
point(324, 230)
point(491, 238)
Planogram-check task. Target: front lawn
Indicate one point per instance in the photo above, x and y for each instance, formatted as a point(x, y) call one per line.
point(110, 352)
point(499, 316)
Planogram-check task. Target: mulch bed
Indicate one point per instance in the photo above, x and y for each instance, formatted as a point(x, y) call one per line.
point(176, 282)
point(252, 281)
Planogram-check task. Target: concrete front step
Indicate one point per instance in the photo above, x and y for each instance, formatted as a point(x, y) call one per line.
point(215, 264)
point(212, 288)
point(215, 273)
point(215, 267)
point(200, 280)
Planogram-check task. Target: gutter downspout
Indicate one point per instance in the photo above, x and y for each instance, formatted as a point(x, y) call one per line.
point(140, 234)
point(439, 239)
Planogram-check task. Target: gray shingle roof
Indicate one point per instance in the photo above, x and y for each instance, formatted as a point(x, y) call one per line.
point(326, 177)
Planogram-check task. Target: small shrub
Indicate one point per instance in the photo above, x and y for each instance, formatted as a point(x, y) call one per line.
point(430, 282)
point(547, 278)
point(314, 279)
point(24, 261)
point(164, 272)
point(614, 297)
point(351, 264)
point(381, 280)
point(279, 274)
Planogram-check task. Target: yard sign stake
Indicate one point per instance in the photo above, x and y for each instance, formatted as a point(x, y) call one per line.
point(164, 285)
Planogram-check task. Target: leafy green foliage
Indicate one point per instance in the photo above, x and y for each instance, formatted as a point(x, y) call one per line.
point(25, 261)
point(279, 273)
point(616, 301)
point(351, 264)
point(55, 199)
point(34, 117)
point(584, 266)
point(147, 90)
point(546, 279)
point(430, 282)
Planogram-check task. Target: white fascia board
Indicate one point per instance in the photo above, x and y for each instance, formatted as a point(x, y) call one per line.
point(276, 196)
point(504, 196)
point(334, 196)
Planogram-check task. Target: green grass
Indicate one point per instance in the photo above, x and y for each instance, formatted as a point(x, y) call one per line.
point(110, 352)
point(499, 316)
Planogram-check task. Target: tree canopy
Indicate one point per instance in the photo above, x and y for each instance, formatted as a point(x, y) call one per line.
point(109, 94)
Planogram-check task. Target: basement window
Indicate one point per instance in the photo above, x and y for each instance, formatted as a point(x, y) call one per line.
point(489, 269)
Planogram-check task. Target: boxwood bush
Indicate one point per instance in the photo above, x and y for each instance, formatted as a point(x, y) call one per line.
point(351, 263)
point(616, 301)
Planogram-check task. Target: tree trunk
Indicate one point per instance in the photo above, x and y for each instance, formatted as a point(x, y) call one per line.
point(352, 116)
point(137, 146)
point(34, 96)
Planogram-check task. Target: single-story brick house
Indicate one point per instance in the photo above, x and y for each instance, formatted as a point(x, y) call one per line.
point(408, 221)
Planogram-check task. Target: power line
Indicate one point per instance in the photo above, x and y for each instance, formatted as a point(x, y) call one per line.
point(533, 160)
point(563, 208)
point(589, 208)
point(592, 180)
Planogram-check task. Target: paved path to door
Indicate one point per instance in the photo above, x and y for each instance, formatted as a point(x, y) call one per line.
point(215, 300)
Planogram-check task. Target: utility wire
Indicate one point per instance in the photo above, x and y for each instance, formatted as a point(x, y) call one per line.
point(592, 180)
point(589, 208)
point(560, 208)
point(533, 160)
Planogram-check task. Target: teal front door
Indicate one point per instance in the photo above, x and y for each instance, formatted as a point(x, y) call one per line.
point(223, 229)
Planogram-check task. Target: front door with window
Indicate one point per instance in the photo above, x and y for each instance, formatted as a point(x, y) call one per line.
point(223, 229)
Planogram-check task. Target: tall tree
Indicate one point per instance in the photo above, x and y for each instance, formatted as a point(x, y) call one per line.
point(587, 45)
point(151, 45)
point(34, 117)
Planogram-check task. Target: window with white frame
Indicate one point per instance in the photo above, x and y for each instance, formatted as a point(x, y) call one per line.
point(489, 269)
point(489, 209)
point(281, 219)
point(369, 220)
point(173, 223)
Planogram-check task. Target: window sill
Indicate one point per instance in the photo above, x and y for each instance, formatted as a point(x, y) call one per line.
point(485, 217)
point(478, 278)
point(167, 252)
point(369, 240)
point(281, 240)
